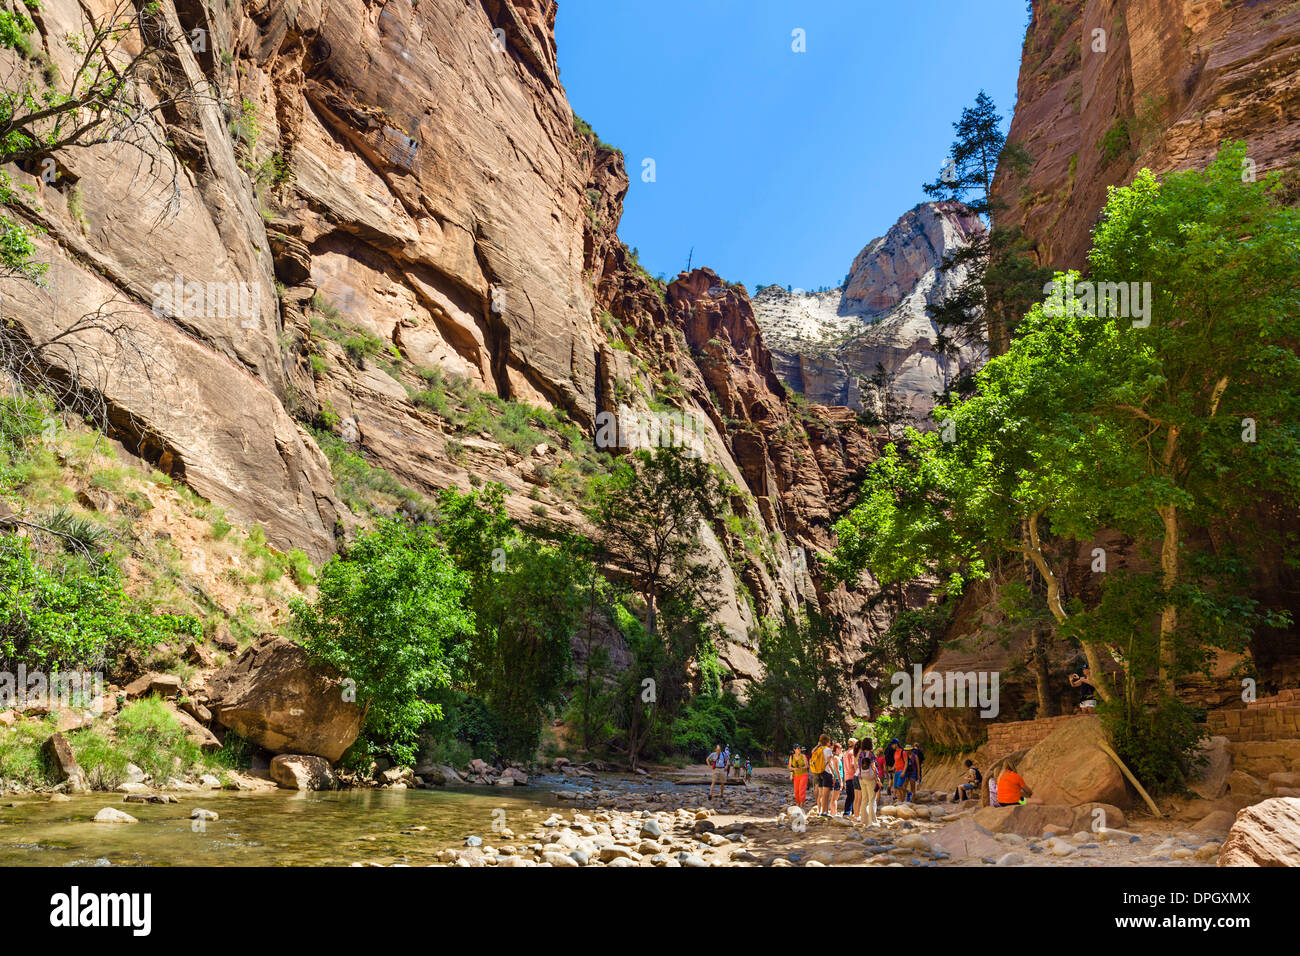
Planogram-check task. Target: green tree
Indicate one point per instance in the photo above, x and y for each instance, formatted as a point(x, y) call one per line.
point(521, 655)
point(998, 276)
point(648, 513)
point(1205, 397)
point(390, 617)
point(592, 702)
point(1162, 420)
point(973, 159)
point(803, 691)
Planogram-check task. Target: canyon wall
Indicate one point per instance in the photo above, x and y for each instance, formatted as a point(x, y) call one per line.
point(1108, 87)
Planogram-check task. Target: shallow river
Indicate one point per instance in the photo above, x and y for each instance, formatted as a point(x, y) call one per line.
point(279, 828)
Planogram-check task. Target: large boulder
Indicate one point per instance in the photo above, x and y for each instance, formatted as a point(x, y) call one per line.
point(195, 732)
point(273, 697)
point(303, 772)
point(1029, 820)
point(439, 775)
point(1215, 824)
point(162, 685)
point(965, 838)
point(1267, 834)
point(58, 755)
point(1069, 767)
point(1032, 819)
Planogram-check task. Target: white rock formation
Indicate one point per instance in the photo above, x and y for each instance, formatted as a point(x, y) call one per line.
point(869, 344)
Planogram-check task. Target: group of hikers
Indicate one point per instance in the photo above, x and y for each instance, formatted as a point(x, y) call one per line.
point(863, 773)
point(866, 775)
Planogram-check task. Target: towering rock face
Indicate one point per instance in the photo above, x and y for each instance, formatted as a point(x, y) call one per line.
point(1110, 86)
point(414, 168)
point(869, 344)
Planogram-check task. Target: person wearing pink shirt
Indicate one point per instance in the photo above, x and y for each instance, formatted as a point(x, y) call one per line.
point(850, 776)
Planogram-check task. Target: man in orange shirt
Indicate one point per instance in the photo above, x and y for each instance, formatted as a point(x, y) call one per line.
point(1012, 788)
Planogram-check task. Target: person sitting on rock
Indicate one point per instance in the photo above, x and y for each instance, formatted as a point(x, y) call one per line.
point(1012, 788)
point(970, 785)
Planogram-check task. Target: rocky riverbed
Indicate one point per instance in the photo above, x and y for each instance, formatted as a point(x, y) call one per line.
point(610, 825)
point(603, 819)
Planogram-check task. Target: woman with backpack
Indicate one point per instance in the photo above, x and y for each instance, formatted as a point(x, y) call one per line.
point(819, 766)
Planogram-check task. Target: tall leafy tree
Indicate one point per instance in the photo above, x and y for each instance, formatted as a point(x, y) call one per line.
point(803, 691)
point(1206, 394)
point(1164, 423)
point(649, 512)
point(521, 654)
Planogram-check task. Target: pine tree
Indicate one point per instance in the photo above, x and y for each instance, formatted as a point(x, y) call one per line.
point(974, 158)
point(1002, 277)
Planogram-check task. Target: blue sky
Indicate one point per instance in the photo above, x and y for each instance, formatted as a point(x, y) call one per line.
point(779, 166)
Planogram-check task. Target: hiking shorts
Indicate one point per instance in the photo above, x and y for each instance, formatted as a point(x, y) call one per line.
point(899, 777)
point(826, 780)
point(720, 776)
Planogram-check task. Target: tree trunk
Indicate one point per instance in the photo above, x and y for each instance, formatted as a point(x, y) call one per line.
point(1054, 604)
point(1169, 614)
point(1042, 676)
point(1169, 554)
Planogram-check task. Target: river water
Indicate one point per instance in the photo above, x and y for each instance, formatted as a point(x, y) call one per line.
point(278, 828)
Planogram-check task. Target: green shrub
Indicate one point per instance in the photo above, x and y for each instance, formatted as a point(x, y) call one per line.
point(361, 485)
point(1116, 141)
point(1158, 742)
point(21, 761)
point(70, 612)
point(101, 758)
point(77, 534)
point(389, 618)
point(147, 734)
point(300, 568)
point(21, 421)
